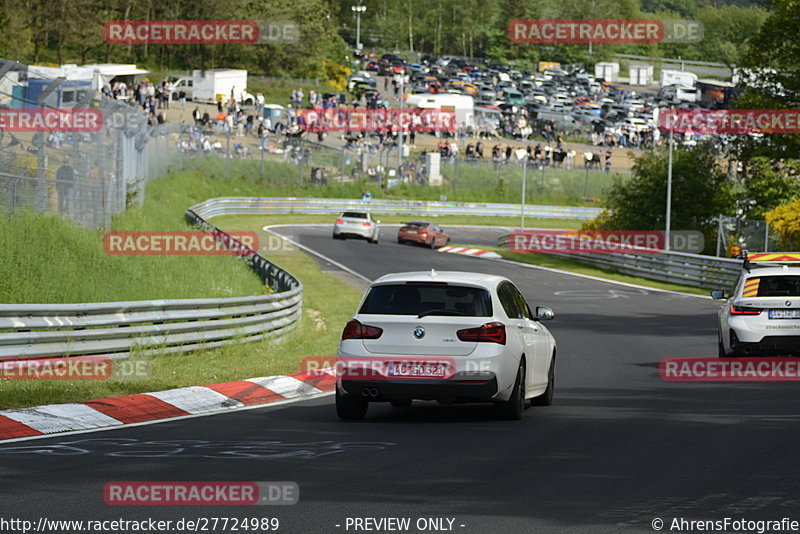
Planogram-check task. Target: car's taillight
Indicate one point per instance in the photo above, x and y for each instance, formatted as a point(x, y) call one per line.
point(490, 333)
point(339, 221)
point(367, 223)
point(423, 234)
point(741, 310)
point(355, 330)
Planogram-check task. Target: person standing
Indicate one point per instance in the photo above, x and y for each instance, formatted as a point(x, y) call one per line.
point(259, 104)
point(65, 185)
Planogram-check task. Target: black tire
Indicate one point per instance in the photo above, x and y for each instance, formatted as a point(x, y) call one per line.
point(546, 398)
point(432, 244)
point(350, 407)
point(515, 405)
point(401, 403)
point(401, 241)
point(721, 349)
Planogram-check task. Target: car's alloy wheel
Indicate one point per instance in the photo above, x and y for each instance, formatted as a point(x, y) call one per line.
point(350, 407)
point(515, 405)
point(546, 398)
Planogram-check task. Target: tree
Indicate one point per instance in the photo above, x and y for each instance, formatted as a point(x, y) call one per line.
point(785, 220)
point(770, 183)
point(772, 57)
point(700, 192)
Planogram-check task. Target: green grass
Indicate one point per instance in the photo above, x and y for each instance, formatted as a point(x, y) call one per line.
point(463, 184)
point(560, 187)
point(327, 305)
point(59, 262)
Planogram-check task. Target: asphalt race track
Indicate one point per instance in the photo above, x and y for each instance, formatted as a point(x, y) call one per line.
point(618, 448)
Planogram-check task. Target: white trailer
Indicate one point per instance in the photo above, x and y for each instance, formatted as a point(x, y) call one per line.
point(462, 105)
point(641, 74)
point(678, 77)
point(213, 85)
point(607, 71)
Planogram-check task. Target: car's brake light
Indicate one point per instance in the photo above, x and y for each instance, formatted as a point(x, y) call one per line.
point(489, 332)
point(339, 221)
point(355, 330)
point(367, 223)
point(742, 310)
point(423, 234)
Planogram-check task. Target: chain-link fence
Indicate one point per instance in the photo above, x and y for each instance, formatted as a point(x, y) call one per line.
point(51, 162)
point(754, 236)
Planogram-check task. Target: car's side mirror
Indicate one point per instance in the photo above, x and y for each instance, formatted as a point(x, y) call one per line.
point(718, 294)
point(543, 313)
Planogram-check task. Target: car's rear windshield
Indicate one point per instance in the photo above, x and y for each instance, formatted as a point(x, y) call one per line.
point(416, 299)
point(772, 286)
point(354, 215)
point(417, 224)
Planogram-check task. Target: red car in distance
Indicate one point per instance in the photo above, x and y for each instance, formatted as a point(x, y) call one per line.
point(425, 233)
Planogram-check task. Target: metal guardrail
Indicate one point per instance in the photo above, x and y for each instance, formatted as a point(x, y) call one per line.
point(677, 267)
point(121, 329)
point(418, 208)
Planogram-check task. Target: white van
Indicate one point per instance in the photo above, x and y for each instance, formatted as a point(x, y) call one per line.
point(462, 105)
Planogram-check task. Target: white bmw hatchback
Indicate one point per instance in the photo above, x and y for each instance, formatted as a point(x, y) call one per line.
point(449, 336)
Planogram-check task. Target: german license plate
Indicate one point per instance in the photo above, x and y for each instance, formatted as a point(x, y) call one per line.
point(417, 369)
point(784, 314)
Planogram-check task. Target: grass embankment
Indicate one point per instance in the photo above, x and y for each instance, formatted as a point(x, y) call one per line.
point(52, 261)
point(482, 183)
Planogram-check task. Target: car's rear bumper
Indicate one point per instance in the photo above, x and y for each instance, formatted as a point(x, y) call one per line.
point(767, 346)
point(351, 231)
point(464, 387)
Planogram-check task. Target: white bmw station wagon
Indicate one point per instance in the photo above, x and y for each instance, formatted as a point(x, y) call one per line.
point(451, 337)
